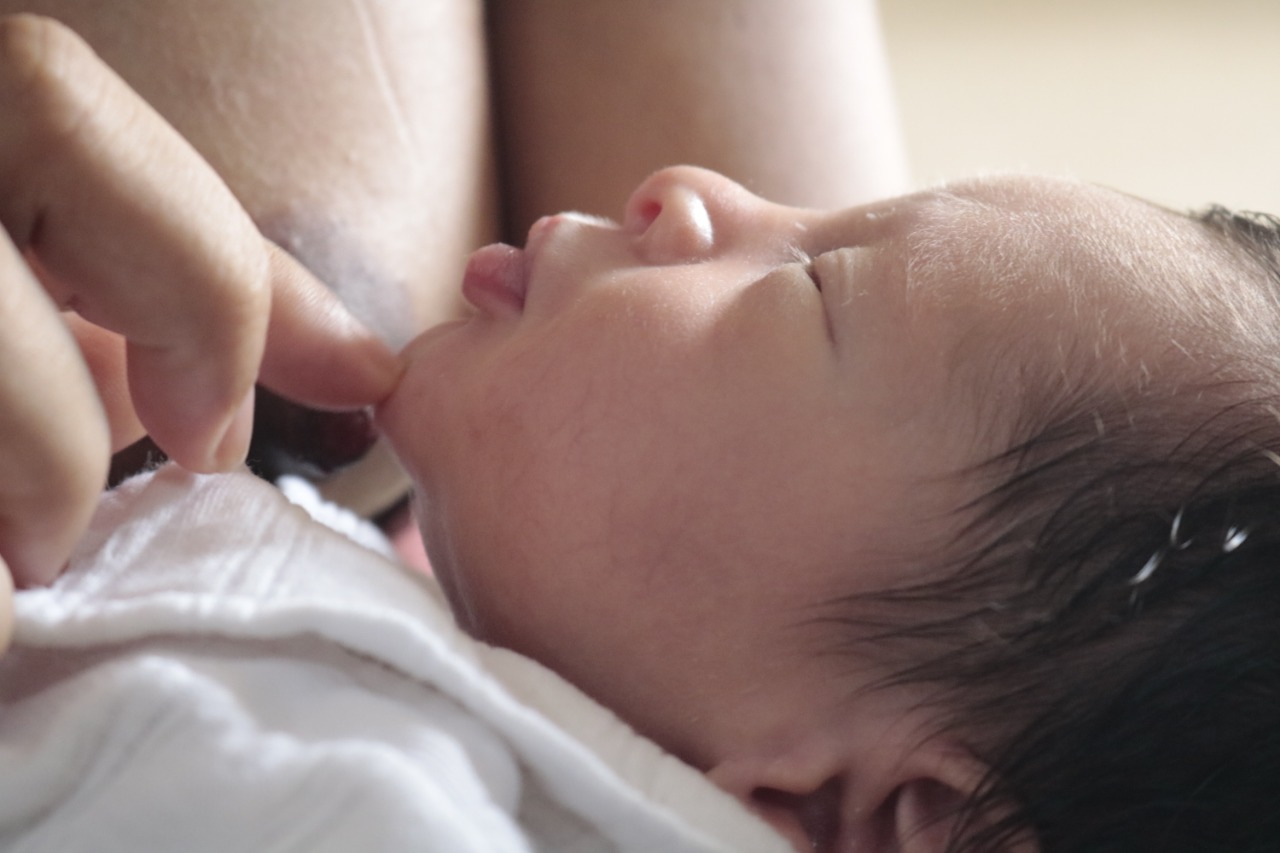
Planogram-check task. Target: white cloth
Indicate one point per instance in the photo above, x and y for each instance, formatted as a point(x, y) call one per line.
point(218, 672)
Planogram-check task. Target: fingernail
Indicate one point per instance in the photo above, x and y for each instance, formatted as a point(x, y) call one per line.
point(388, 364)
point(234, 445)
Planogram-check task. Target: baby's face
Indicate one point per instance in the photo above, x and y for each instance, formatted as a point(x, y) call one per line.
point(659, 447)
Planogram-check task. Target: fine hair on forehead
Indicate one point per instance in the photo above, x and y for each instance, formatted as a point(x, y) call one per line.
point(1104, 632)
point(1017, 235)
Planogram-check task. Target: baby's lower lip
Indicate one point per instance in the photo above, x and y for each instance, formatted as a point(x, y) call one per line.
point(496, 279)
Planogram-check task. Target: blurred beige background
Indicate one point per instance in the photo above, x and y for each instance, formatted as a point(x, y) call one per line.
point(1176, 100)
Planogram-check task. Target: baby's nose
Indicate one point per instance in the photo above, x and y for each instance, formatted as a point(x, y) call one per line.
point(676, 214)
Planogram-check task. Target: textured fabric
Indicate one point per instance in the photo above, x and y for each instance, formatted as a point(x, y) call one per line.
point(218, 672)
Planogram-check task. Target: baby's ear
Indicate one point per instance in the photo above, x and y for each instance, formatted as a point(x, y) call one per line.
point(836, 796)
point(925, 815)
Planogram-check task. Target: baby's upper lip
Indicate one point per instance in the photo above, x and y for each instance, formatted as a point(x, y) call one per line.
point(498, 276)
point(538, 234)
point(542, 229)
point(534, 243)
point(545, 230)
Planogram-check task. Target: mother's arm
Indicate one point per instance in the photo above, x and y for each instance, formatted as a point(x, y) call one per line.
point(793, 100)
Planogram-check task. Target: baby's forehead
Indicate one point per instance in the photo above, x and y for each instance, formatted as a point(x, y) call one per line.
point(1038, 244)
point(1092, 217)
point(1025, 194)
point(1022, 219)
point(1061, 290)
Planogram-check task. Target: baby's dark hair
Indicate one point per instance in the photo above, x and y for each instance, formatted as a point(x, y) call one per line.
point(1108, 640)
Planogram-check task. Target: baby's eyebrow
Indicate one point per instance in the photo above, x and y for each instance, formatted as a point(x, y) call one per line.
point(957, 200)
point(945, 225)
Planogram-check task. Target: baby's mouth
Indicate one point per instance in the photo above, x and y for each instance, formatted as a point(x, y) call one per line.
point(496, 279)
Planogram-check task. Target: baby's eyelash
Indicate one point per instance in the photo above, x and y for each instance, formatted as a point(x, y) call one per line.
point(805, 260)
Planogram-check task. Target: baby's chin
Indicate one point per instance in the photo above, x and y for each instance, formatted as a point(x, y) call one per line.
point(423, 543)
point(411, 420)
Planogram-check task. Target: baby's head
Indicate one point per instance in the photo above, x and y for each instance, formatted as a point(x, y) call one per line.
point(874, 513)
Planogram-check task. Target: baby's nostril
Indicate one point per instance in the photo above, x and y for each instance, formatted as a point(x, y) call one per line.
point(648, 213)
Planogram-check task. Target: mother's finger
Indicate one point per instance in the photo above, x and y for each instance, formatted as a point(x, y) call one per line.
point(317, 353)
point(54, 444)
point(140, 236)
point(104, 355)
point(139, 230)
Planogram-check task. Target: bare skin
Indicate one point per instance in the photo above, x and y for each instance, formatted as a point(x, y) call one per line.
point(790, 99)
point(668, 447)
point(385, 203)
point(358, 137)
point(202, 305)
point(355, 135)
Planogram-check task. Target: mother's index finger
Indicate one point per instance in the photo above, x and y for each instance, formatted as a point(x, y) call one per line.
point(139, 233)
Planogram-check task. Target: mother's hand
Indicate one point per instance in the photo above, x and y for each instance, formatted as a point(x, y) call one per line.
point(135, 294)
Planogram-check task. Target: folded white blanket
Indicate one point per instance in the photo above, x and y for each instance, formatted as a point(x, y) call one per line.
point(218, 672)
